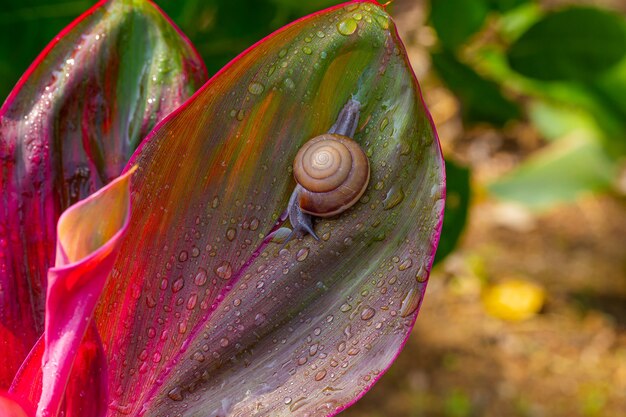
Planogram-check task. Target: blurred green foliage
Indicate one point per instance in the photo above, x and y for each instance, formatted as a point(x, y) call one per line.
point(563, 70)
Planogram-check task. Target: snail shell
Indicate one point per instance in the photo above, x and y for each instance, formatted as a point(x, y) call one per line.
point(333, 172)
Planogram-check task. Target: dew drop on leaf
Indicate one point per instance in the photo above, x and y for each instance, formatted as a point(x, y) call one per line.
point(367, 313)
point(409, 303)
point(224, 271)
point(201, 277)
point(302, 254)
point(406, 264)
point(178, 285)
point(347, 26)
point(256, 88)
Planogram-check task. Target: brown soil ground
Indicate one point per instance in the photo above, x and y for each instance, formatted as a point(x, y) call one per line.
point(568, 360)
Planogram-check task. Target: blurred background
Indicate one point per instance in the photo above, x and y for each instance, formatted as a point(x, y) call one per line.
point(525, 313)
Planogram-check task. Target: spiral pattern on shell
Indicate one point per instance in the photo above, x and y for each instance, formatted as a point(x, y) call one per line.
point(333, 172)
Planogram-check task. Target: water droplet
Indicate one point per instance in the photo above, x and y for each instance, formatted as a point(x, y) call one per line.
point(297, 404)
point(224, 342)
point(201, 277)
point(422, 275)
point(183, 256)
point(280, 235)
point(216, 202)
point(175, 394)
point(307, 50)
point(347, 26)
point(254, 223)
point(384, 124)
point(259, 319)
point(240, 115)
point(289, 83)
point(382, 21)
point(231, 233)
point(320, 375)
point(367, 313)
point(224, 271)
point(395, 195)
point(287, 400)
point(191, 301)
point(410, 303)
point(406, 264)
point(345, 307)
point(353, 351)
point(195, 252)
point(198, 356)
point(178, 285)
point(156, 358)
point(320, 34)
point(282, 53)
point(323, 54)
point(302, 254)
point(256, 88)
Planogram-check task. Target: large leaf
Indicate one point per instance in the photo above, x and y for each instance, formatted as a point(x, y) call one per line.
point(204, 314)
point(575, 43)
point(68, 128)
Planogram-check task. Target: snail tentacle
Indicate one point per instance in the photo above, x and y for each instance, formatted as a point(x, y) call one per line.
point(348, 119)
point(346, 125)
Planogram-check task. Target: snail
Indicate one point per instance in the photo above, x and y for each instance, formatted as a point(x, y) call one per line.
point(331, 171)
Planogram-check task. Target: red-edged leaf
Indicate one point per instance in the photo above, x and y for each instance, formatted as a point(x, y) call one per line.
point(205, 314)
point(67, 129)
point(89, 238)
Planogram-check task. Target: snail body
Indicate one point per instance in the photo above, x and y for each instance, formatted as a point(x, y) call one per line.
point(332, 172)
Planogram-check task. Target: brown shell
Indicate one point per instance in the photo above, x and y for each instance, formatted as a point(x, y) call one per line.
point(333, 172)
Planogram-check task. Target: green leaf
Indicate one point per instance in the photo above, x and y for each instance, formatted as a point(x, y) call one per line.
point(457, 204)
point(562, 172)
point(481, 99)
point(575, 43)
point(456, 20)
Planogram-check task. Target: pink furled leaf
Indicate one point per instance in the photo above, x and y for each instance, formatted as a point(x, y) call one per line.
point(89, 237)
point(67, 129)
